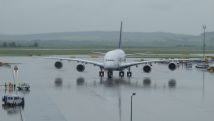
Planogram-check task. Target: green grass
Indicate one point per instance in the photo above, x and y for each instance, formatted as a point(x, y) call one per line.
point(155, 52)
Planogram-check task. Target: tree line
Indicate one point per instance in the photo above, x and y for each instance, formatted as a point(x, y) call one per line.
point(14, 44)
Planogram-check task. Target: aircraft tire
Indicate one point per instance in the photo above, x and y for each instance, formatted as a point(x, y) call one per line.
point(101, 74)
point(121, 74)
point(129, 74)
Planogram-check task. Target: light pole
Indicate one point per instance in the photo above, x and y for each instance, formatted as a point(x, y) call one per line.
point(131, 103)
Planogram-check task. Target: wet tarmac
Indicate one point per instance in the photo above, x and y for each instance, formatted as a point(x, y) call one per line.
point(68, 95)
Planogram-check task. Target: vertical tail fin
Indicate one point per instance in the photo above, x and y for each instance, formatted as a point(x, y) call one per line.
point(120, 40)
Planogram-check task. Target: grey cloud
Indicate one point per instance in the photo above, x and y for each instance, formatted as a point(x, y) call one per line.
point(39, 16)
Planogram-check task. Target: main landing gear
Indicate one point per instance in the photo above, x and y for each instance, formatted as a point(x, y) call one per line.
point(110, 74)
point(121, 74)
point(129, 74)
point(101, 73)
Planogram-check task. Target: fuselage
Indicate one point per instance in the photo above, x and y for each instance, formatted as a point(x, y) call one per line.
point(113, 59)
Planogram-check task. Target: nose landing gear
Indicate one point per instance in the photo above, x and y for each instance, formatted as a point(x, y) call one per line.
point(110, 74)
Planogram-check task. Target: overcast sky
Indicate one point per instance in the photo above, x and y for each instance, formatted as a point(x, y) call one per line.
point(42, 16)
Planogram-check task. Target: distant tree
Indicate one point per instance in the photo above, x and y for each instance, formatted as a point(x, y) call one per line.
point(4, 44)
point(35, 44)
point(12, 44)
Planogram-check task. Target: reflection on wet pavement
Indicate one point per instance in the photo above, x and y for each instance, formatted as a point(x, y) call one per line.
point(65, 94)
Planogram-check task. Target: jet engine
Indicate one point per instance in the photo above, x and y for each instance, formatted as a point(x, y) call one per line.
point(172, 66)
point(147, 69)
point(58, 64)
point(80, 68)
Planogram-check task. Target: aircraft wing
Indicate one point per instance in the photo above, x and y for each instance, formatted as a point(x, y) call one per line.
point(129, 64)
point(79, 61)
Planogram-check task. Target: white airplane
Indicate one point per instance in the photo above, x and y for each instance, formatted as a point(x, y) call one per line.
point(115, 60)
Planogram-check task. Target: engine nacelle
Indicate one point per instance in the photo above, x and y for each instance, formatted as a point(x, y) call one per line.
point(80, 68)
point(147, 69)
point(172, 66)
point(58, 64)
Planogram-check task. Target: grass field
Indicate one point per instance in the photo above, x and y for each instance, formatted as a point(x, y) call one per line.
point(141, 52)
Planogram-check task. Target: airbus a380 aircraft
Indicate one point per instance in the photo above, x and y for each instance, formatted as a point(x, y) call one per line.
point(115, 60)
